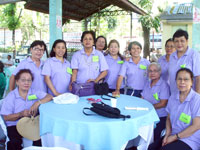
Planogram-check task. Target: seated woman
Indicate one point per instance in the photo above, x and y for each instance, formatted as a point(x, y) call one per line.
point(183, 120)
point(21, 102)
point(88, 64)
point(156, 91)
point(56, 70)
point(114, 60)
point(2, 80)
point(135, 70)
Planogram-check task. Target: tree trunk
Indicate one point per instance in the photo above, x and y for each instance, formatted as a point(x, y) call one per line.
point(146, 50)
point(85, 24)
point(13, 43)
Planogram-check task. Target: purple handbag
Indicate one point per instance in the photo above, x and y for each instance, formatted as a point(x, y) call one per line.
point(83, 89)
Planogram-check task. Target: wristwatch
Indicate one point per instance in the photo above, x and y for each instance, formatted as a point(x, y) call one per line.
point(177, 136)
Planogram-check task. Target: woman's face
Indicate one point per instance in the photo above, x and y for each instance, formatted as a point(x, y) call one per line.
point(24, 82)
point(181, 44)
point(100, 44)
point(37, 51)
point(153, 72)
point(169, 48)
point(114, 49)
point(60, 49)
point(184, 81)
point(88, 41)
point(135, 51)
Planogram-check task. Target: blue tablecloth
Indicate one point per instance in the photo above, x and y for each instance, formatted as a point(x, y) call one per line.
point(95, 132)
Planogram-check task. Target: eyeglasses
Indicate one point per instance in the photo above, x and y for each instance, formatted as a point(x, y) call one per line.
point(182, 79)
point(169, 47)
point(153, 71)
point(24, 80)
point(38, 49)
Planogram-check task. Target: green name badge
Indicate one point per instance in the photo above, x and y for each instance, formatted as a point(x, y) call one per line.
point(95, 58)
point(69, 70)
point(183, 66)
point(185, 118)
point(120, 62)
point(156, 96)
point(32, 97)
point(143, 67)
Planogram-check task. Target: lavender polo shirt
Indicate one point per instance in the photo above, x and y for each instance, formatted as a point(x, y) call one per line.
point(164, 67)
point(89, 67)
point(113, 72)
point(14, 103)
point(161, 89)
point(190, 60)
point(190, 107)
point(136, 76)
point(58, 73)
point(38, 82)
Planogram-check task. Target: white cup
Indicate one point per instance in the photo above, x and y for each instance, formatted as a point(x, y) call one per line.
point(113, 102)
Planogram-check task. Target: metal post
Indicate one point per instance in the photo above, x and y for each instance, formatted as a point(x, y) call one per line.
point(55, 21)
point(131, 23)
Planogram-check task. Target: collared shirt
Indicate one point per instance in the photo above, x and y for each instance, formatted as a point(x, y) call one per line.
point(189, 60)
point(14, 103)
point(164, 68)
point(38, 82)
point(190, 107)
point(136, 74)
point(161, 89)
point(89, 67)
point(58, 73)
point(113, 72)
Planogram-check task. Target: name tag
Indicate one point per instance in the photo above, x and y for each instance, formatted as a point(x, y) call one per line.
point(95, 58)
point(143, 67)
point(120, 62)
point(156, 96)
point(32, 97)
point(183, 65)
point(69, 70)
point(185, 118)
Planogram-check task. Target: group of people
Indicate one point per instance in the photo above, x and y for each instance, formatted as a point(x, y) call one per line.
point(172, 84)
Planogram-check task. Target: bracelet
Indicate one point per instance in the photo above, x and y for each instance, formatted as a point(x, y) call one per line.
point(177, 136)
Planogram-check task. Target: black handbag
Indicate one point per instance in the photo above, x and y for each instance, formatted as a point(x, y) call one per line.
point(106, 111)
point(101, 88)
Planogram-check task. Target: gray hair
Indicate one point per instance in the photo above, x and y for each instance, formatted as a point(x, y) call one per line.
point(157, 66)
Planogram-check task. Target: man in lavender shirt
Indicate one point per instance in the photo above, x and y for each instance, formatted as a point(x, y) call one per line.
point(35, 64)
point(184, 57)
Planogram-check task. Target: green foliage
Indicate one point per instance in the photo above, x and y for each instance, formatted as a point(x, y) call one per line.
point(146, 4)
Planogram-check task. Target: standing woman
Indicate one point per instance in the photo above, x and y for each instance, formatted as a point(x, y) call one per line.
point(88, 64)
point(114, 60)
point(2, 80)
point(135, 71)
point(57, 69)
point(183, 120)
point(164, 60)
point(101, 43)
point(35, 64)
point(156, 91)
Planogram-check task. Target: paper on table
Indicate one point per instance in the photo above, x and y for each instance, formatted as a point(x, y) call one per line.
point(136, 108)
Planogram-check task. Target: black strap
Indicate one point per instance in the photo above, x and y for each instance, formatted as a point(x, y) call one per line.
point(86, 113)
point(107, 98)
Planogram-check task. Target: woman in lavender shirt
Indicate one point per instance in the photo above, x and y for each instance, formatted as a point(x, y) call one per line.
point(88, 64)
point(57, 69)
point(156, 91)
point(183, 120)
point(164, 60)
point(114, 60)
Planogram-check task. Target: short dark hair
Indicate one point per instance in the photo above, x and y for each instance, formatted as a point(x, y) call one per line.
point(105, 47)
point(134, 43)
point(10, 56)
point(1, 66)
point(186, 70)
point(169, 40)
point(88, 32)
point(18, 75)
point(180, 33)
point(41, 43)
point(52, 53)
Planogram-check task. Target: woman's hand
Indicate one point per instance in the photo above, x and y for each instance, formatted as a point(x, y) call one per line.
point(90, 80)
point(25, 113)
point(169, 139)
point(116, 93)
point(34, 108)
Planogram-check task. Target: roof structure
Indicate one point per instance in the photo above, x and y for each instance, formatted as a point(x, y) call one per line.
point(81, 9)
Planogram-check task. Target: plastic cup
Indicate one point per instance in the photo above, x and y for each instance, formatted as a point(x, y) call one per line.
point(113, 102)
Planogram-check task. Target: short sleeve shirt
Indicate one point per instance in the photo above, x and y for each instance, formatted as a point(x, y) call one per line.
point(14, 103)
point(164, 67)
point(89, 67)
